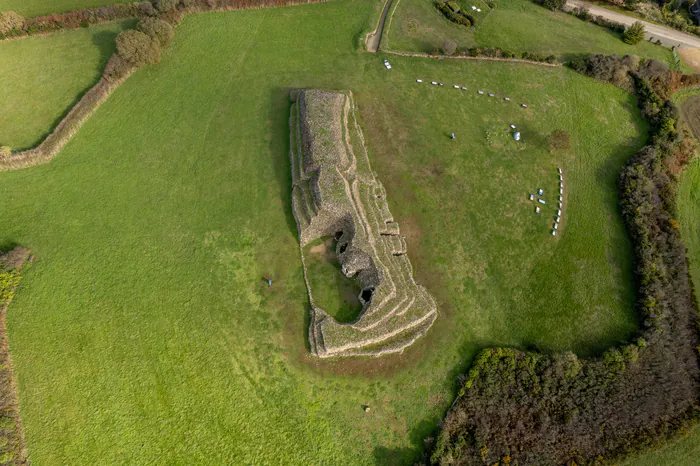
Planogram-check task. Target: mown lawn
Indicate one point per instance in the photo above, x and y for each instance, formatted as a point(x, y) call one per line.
point(145, 334)
point(29, 8)
point(42, 77)
point(517, 25)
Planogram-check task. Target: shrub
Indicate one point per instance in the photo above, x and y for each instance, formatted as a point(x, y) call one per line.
point(147, 9)
point(552, 4)
point(634, 34)
point(157, 29)
point(165, 5)
point(116, 68)
point(5, 152)
point(449, 47)
point(555, 409)
point(10, 21)
point(137, 48)
point(9, 279)
point(459, 17)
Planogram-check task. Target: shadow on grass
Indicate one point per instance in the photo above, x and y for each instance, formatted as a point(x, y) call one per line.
point(280, 107)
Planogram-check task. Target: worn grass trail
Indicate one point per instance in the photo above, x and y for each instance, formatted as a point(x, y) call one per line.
point(145, 334)
point(42, 77)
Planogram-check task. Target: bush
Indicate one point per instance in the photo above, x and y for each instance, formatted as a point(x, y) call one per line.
point(116, 68)
point(157, 29)
point(460, 17)
point(557, 409)
point(147, 9)
point(137, 48)
point(165, 5)
point(634, 34)
point(5, 152)
point(552, 4)
point(9, 279)
point(449, 47)
point(10, 21)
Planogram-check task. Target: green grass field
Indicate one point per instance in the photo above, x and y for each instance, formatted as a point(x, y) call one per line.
point(517, 25)
point(42, 78)
point(29, 8)
point(145, 333)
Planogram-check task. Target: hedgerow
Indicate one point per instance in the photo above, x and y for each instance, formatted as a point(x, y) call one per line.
point(534, 408)
point(157, 29)
point(454, 13)
point(170, 10)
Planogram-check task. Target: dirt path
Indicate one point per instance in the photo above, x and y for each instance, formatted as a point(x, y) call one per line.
point(667, 36)
point(375, 37)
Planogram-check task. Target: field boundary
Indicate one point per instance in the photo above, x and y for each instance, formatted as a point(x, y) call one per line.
point(43, 25)
point(67, 128)
point(15, 450)
point(100, 92)
point(461, 57)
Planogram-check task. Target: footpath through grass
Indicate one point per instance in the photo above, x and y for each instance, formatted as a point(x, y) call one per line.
point(145, 333)
point(42, 78)
point(29, 8)
point(516, 25)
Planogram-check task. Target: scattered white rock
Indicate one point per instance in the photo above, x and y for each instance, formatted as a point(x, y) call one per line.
point(512, 126)
point(419, 80)
point(524, 105)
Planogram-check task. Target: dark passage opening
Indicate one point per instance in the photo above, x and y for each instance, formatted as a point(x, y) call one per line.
point(367, 294)
point(343, 248)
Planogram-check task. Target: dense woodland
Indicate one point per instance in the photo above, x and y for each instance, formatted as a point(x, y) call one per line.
point(533, 408)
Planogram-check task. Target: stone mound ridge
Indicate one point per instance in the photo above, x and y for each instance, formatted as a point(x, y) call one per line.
point(336, 193)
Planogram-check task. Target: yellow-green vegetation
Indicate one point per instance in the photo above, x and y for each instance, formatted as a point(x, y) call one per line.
point(42, 77)
point(515, 25)
point(145, 334)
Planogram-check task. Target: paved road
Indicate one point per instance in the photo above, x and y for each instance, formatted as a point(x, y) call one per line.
point(374, 38)
point(667, 36)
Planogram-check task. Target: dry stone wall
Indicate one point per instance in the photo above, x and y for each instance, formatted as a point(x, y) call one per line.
point(336, 193)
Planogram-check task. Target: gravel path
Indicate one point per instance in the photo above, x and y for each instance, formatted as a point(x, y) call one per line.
point(667, 36)
point(374, 38)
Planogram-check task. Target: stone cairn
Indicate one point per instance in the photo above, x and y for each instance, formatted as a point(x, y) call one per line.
point(336, 193)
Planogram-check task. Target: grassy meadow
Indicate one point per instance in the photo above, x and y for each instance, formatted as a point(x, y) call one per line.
point(144, 333)
point(28, 8)
point(42, 77)
point(517, 25)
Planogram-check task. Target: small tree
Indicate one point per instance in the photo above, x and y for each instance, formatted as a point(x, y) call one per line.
point(634, 34)
point(559, 140)
point(157, 29)
point(552, 4)
point(10, 21)
point(5, 152)
point(449, 47)
point(165, 5)
point(137, 48)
